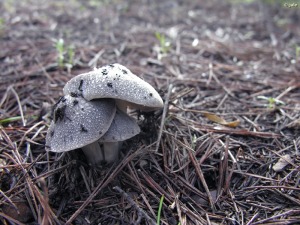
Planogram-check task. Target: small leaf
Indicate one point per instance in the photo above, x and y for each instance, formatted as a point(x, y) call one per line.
point(220, 120)
point(282, 163)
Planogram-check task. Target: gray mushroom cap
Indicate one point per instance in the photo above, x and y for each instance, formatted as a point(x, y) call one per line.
point(122, 128)
point(115, 81)
point(78, 122)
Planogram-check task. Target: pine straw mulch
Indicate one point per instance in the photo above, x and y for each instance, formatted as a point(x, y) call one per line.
point(223, 126)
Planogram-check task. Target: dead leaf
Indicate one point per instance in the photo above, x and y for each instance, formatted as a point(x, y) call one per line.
point(2, 164)
point(20, 211)
point(219, 120)
point(282, 163)
point(294, 124)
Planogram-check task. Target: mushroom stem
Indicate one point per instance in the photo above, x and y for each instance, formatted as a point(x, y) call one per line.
point(122, 105)
point(98, 152)
point(111, 151)
point(93, 153)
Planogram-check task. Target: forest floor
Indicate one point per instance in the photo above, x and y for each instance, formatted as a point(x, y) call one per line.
point(223, 150)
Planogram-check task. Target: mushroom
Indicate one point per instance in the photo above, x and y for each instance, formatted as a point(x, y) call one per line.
point(117, 82)
point(78, 123)
point(101, 85)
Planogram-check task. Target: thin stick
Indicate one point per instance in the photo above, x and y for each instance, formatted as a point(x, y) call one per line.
point(201, 177)
point(163, 116)
point(290, 212)
point(84, 176)
point(11, 219)
point(147, 204)
point(272, 187)
point(19, 104)
point(132, 202)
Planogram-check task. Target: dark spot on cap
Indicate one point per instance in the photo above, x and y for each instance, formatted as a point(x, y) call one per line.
point(145, 97)
point(109, 84)
point(104, 72)
point(61, 99)
point(124, 71)
point(59, 113)
point(80, 85)
point(82, 109)
point(111, 65)
point(75, 102)
point(52, 133)
point(74, 94)
point(114, 138)
point(55, 107)
point(151, 94)
point(100, 132)
point(83, 129)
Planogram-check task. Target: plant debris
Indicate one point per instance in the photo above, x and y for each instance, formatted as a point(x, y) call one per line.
point(220, 120)
point(282, 163)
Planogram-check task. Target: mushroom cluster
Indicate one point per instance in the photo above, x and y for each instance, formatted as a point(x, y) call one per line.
point(92, 114)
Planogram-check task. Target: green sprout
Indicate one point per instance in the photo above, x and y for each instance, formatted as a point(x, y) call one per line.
point(60, 48)
point(160, 209)
point(10, 119)
point(2, 25)
point(297, 50)
point(71, 54)
point(272, 102)
point(163, 43)
point(194, 141)
point(16, 118)
point(65, 53)
point(2, 22)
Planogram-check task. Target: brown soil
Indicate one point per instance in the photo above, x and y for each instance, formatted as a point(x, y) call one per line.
point(227, 150)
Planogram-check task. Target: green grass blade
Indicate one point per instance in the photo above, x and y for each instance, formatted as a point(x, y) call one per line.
point(159, 209)
point(10, 119)
point(16, 118)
